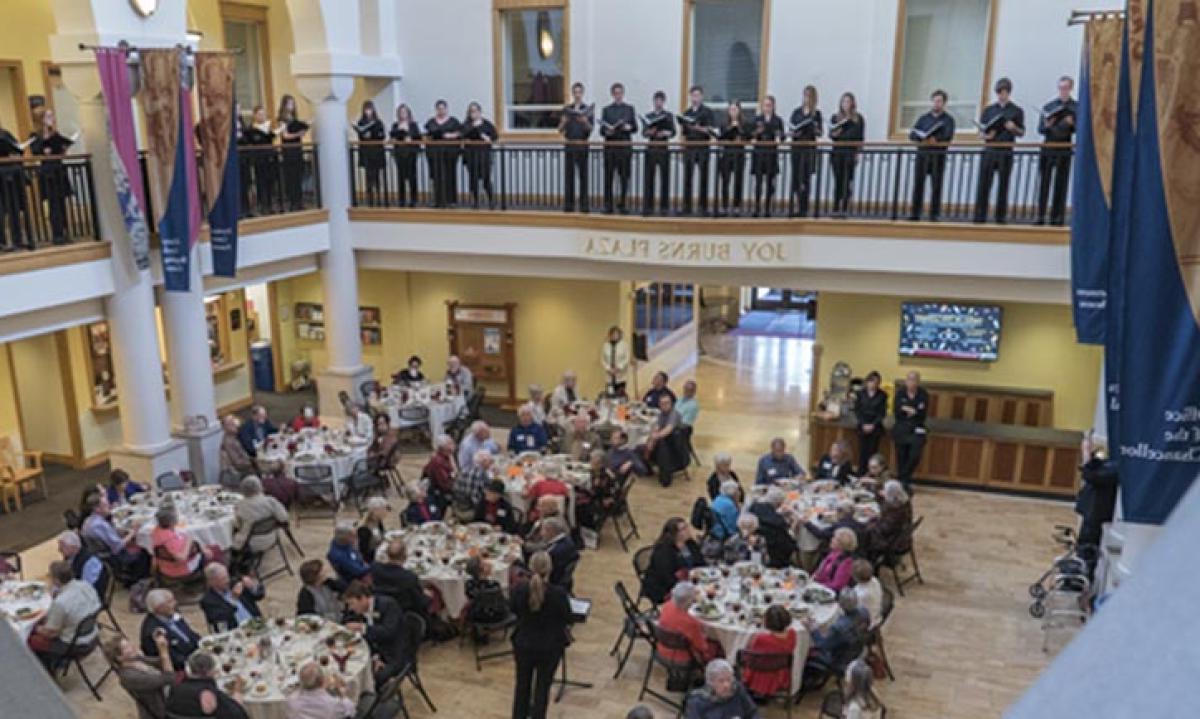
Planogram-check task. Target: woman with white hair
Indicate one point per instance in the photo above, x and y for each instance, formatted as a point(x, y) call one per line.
point(253, 507)
point(319, 696)
point(837, 567)
point(725, 512)
point(746, 543)
point(892, 532)
point(675, 617)
point(537, 403)
point(527, 435)
point(722, 473)
point(358, 422)
point(721, 697)
point(372, 528)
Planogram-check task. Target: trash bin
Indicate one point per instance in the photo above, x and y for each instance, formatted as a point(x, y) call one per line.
point(264, 366)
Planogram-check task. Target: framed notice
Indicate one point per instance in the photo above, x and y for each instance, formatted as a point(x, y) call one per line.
point(483, 337)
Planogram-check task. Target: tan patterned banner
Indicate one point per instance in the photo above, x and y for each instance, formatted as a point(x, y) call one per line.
point(1103, 39)
point(1135, 15)
point(214, 82)
point(160, 106)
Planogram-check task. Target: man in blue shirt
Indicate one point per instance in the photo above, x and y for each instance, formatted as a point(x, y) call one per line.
point(480, 437)
point(527, 436)
point(84, 564)
point(256, 430)
point(687, 407)
point(108, 542)
point(777, 464)
point(227, 605)
point(343, 554)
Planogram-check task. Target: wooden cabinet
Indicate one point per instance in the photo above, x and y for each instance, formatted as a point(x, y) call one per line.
point(991, 405)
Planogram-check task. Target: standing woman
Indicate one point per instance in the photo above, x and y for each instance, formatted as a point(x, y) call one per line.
point(406, 144)
point(805, 126)
point(258, 139)
point(53, 182)
point(369, 129)
point(539, 639)
point(768, 131)
point(443, 158)
point(847, 135)
point(479, 133)
point(732, 159)
point(870, 409)
point(245, 175)
point(12, 192)
point(291, 134)
point(615, 358)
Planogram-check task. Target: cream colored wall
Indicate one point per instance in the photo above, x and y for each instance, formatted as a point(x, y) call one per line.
point(233, 387)
point(1037, 351)
point(43, 404)
point(10, 421)
point(98, 431)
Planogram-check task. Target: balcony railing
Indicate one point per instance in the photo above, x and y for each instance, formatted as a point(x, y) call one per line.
point(47, 201)
point(820, 180)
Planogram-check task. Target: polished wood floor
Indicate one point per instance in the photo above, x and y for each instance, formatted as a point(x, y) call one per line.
point(962, 644)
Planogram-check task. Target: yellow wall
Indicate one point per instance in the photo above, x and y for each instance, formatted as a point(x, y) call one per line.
point(10, 422)
point(25, 36)
point(98, 431)
point(1037, 351)
point(43, 405)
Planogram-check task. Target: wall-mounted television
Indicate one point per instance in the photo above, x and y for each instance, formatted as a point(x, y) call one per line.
point(950, 331)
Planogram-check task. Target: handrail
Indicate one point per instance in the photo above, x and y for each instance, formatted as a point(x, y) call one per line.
point(745, 144)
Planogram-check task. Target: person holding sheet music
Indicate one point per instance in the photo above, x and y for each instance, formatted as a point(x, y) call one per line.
point(732, 160)
point(764, 164)
point(245, 169)
point(443, 155)
point(576, 128)
point(55, 185)
point(12, 192)
point(658, 126)
point(1000, 125)
point(291, 134)
point(369, 129)
point(258, 139)
point(846, 131)
point(804, 127)
point(1057, 125)
point(406, 146)
point(697, 124)
point(932, 132)
point(480, 133)
point(618, 122)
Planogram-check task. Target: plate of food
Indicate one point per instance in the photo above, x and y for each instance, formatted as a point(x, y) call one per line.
point(705, 574)
point(710, 611)
point(30, 590)
point(308, 623)
point(257, 625)
point(819, 594)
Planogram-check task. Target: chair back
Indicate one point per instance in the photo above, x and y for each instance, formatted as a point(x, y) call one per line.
point(414, 413)
point(765, 661)
point(641, 561)
point(488, 600)
point(886, 607)
point(264, 526)
point(13, 559)
point(414, 633)
point(366, 388)
point(674, 641)
point(518, 517)
point(230, 479)
point(475, 401)
point(85, 627)
point(568, 575)
point(168, 481)
point(313, 473)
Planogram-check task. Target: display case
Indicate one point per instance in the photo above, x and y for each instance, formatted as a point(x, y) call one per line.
point(310, 323)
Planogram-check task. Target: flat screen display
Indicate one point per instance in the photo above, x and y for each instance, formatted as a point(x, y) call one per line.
point(950, 331)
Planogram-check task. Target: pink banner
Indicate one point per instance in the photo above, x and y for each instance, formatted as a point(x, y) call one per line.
point(127, 174)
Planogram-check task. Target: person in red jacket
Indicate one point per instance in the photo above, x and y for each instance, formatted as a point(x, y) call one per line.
point(779, 638)
point(440, 468)
point(306, 419)
point(674, 616)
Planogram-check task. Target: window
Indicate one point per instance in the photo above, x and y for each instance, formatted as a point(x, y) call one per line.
point(532, 42)
point(724, 45)
point(660, 308)
point(942, 44)
point(245, 28)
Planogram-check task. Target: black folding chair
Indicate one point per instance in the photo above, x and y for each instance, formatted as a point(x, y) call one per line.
point(682, 673)
point(187, 589)
point(637, 625)
point(13, 560)
point(474, 402)
point(267, 527)
point(893, 558)
point(489, 599)
point(770, 662)
point(414, 626)
point(169, 481)
point(316, 481)
point(875, 635)
point(77, 652)
point(831, 705)
point(361, 482)
point(372, 705)
point(619, 511)
point(641, 565)
point(108, 585)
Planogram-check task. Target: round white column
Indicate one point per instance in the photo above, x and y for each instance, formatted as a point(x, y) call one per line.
point(185, 325)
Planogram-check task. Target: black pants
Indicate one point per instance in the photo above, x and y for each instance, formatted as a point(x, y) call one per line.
point(764, 192)
point(618, 162)
point(666, 457)
point(843, 179)
point(695, 159)
point(908, 456)
point(12, 207)
point(479, 173)
point(576, 166)
point(55, 190)
point(406, 168)
point(994, 162)
point(535, 676)
point(373, 174)
point(729, 171)
point(933, 165)
point(657, 162)
point(293, 177)
point(266, 177)
point(245, 181)
point(1054, 168)
point(443, 173)
point(868, 446)
point(804, 164)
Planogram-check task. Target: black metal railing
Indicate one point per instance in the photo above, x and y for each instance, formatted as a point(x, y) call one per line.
point(1010, 183)
point(47, 201)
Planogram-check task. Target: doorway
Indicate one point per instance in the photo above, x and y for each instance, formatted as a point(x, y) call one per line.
point(781, 298)
point(14, 104)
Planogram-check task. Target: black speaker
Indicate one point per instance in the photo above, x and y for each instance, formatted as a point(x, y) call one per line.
point(639, 347)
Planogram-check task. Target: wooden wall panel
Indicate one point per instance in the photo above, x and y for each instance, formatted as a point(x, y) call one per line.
point(1033, 466)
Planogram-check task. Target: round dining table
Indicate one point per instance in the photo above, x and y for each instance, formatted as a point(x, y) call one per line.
point(23, 603)
point(608, 415)
point(316, 447)
point(816, 501)
point(520, 473)
point(204, 514)
point(441, 402)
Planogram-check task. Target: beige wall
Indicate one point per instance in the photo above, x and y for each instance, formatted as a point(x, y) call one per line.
point(25, 36)
point(10, 421)
point(43, 403)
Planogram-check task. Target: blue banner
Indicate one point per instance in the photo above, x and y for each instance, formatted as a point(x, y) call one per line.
point(1090, 228)
point(174, 228)
point(223, 217)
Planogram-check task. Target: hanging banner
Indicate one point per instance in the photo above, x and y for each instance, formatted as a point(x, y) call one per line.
point(219, 161)
point(127, 174)
point(1159, 346)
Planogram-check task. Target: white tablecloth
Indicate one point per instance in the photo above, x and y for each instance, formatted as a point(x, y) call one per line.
point(817, 502)
point(441, 411)
point(205, 515)
point(573, 474)
point(635, 418)
point(24, 597)
point(341, 461)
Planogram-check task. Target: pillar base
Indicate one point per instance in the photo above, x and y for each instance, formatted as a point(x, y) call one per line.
point(143, 465)
point(332, 381)
point(204, 452)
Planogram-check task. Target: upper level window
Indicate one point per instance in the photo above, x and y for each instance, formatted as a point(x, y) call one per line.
point(724, 49)
point(941, 44)
point(245, 28)
point(533, 67)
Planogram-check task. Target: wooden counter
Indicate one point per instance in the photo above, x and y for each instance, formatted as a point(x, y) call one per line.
point(978, 455)
point(986, 404)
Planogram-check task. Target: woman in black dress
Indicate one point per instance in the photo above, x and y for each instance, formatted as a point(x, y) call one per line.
point(53, 182)
point(732, 160)
point(768, 131)
point(291, 134)
point(443, 155)
point(257, 141)
point(805, 127)
point(540, 637)
point(12, 192)
point(479, 133)
point(675, 552)
point(406, 146)
point(370, 130)
point(870, 409)
point(846, 131)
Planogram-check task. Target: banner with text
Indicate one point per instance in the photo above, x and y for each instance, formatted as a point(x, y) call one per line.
point(219, 163)
point(113, 64)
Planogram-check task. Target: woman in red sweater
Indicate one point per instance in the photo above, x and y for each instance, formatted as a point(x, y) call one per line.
point(779, 638)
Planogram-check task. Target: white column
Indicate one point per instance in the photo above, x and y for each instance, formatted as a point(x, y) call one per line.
point(339, 272)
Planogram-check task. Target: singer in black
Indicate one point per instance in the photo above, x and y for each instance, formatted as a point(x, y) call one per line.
point(732, 161)
point(657, 127)
point(406, 147)
point(804, 127)
point(576, 128)
point(479, 133)
point(53, 181)
point(697, 123)
point(1000, 125)
point(257, 145)
point(371, 157)
point(618, 122)
point(12, 193)
point(443, 155)
point(932, 132)
point(1057, 125)
point(908, 431)
point(245, 169)
point(764, 164)
point(846, 130)
point(870, 409)
point(290, 137)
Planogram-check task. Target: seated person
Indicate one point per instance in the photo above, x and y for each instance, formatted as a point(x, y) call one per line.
point(538, 402)
point(440, 469)
point(775, 528)
point(675, 553)
point(777, 637)
point(877, 473)
point(176, 554)
point(674, 617)
point(469, 486)
point(722, 473)
point(121, 487)
point(358, 423)
point(580, 439)
point(411, 374)
point(721, 695)
point(663, 448)
point(837, 567)
point(161, 618)
point(528, 435)
point(477, 438)
point(565, 394)
point(421, 507)
point(842, 642)
point(836, 464)
point(624, 461)
point(392, 578)
point(253, 507)
point(198, 694)
point(747, 543)
point(98, 528)
point(234, 455)
point(725, 512)
point(479, 581)
point(495, 509)
point(320, 593)
point(372, 528)
point(547, 485)
point(84, 564)
point(227, 604)
point(343, 554)
point(658, 388)
point(845, 518)
point(381, 454)
point(595, 502)
point(74, 601)
point(869, 591)
point(858, 701)
point(256, 430)
point(892, 532)
point(307, 419)
point(777, 464)
point(144, 680)
point(380, 620)
point(554, 540)
point(320, 696)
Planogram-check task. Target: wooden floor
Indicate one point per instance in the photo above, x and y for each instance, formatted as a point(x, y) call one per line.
point(962, 645)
